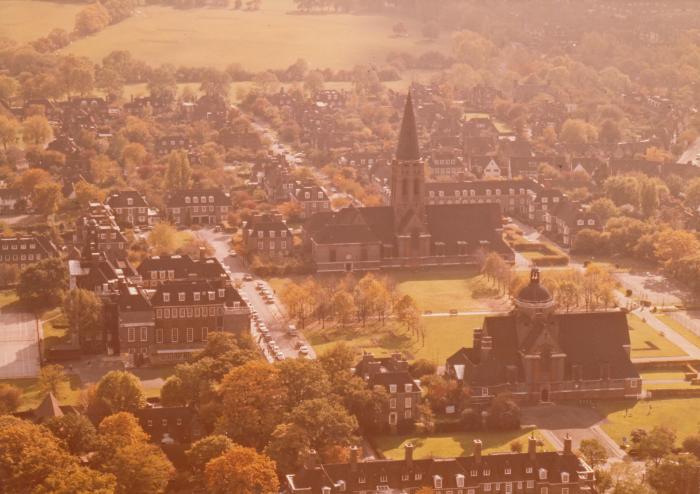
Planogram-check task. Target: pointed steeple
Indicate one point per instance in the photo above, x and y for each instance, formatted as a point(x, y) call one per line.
point(407, 150)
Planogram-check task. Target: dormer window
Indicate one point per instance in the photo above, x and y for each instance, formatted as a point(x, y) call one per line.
point(187, 199)
point(474, 473)
point(166, 297)
point(211, 199)
point(460, 480)
point(392, 388)
point(212, 296)
point(325, 490)
point(361, 479)
point(195, 200)
point(528, 470)
point(196, 296)
point(564, 477)
point(181, 296)
point(437, 481)
point(543, 474)
point(341, 485)
point(407, 388)
point(222, 292)
point(487, 472)
point(418, 476)
point(382, 477)
point(203, 199)
point(507, 471)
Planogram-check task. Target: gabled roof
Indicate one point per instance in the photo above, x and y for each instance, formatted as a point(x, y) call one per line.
point(48, 408)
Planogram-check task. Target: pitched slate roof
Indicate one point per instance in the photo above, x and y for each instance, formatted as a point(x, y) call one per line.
point(407, 149)
point(48, 408)
point(120, 199)
point(470, 223)
point(183, 266)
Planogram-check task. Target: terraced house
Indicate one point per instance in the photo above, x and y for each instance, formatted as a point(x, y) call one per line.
point(268, 235)
point(130, 208)
point(198, 206)
point(532, 472)
point(23, 250)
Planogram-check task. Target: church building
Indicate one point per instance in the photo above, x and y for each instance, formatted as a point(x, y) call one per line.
point(540, 355)
point(408, 232)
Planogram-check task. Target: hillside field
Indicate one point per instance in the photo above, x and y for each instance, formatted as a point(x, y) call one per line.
point(272, 38)
point(27, 20)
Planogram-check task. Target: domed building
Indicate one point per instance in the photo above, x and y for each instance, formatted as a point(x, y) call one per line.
point(540, 355)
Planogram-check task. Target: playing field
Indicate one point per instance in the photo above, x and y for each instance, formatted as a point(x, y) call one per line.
point(273, 37)
point(27, 20)
point(19, 345)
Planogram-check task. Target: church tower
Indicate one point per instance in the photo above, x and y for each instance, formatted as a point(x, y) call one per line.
point(408, 191)
point(407, 170)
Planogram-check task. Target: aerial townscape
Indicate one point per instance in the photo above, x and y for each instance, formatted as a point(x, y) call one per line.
point(350, 246)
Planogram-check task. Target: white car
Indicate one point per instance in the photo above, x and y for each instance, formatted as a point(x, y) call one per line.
point(279, 356)
point(304, 350)
point(232, 253)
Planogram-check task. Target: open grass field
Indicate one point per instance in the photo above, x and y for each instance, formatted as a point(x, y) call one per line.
point(272, 38)
point(443, 337)
point(27, 20)
point(680, 329)
point(646, 342)
point(456, 444)
point(679, 414)
point(32, 393)
point(7, 298)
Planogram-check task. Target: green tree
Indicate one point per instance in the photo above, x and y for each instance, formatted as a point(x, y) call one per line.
point(119, 391)
point(10, 398)
point(53, 379)
point(206, 449)
point(83, 310)
point(47, 198)
point(9, 131)
point(288, 446)
point(241, 470)
point(604, 209)
point(325, 422)
point(593, 452)
point(304, 380)
point(162, 84)
point(179, 172)
point(75, 431)
point(674, 475)
point(42, 284)
point(657, 443)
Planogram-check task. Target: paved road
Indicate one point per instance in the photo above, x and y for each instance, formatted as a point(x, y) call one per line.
point(19, 345)
point(272, 315)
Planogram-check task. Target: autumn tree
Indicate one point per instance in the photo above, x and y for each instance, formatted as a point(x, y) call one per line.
point(254, 399)
point(53, 379)
point(42, 284)
point(85, 193)
point(118, 391)
point(36, 130)
point(304, 380)
point(299, 298)
point(9, 131)
point(75, 431)
point(83, 310)
point(343, 306)
point(91, 19)
point(179, 173)
point(164, 239)
point(206, 449)
point(593, 452)
point(10, 398)
point(241, 470)
point(674, 475)
point(140, 468)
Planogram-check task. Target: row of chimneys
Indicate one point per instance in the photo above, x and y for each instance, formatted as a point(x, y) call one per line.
point(483, 343)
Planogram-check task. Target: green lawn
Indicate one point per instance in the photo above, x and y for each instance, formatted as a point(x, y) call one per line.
point(680, 329)
point(646, 342)
point(55, 328)
point(679, 414)
point(443, 337)
point(7, 297)
point(457, 444)
point(32, 394)
point(272, 38)
point(665, 374)
point(23, 20)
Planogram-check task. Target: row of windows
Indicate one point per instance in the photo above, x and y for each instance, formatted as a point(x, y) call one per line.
point(8, 246)
point(198, 200)
point(407, 414)
point(261, 245)
point(129, 202)
point(407, 403)
point(163, 422)
point(172, 335)
point(407, 388)
point(319, 195)
point(272, 233)
point(181, 296)
point(189, 312)
point(508, 487)
point(472, 193)
point(22, 257)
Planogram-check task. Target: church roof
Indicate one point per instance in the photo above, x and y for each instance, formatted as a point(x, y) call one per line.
point(534, 292)
point(407, 149)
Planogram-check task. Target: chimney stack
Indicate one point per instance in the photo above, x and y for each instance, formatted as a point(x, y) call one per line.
point(486, 346)
point(354, 454)
point(477, 338)
point(567, 444)
point(202, 253)
point(477, 451)
point(408, 455)
point(532, 447)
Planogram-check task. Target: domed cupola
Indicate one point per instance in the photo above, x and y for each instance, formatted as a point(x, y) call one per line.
point(534, 295)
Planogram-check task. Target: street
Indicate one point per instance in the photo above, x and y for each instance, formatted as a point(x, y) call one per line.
point(271, 314)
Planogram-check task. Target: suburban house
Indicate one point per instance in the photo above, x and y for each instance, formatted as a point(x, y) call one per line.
point(267, 234)
point(23, 250)
point(555, 472)
point(446, 164)
point(565, 221)
point(409, 232)
point(10, 201)
point(391, 373)
point(198, 206)
point(170, 425)
point(311, 198)
point(158, 270)
point(538, 354)
point(512, 195)
point(130, 208)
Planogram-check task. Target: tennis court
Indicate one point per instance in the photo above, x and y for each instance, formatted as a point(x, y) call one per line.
point(19, 345)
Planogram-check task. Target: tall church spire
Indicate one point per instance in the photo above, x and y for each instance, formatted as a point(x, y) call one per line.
point(407, 150)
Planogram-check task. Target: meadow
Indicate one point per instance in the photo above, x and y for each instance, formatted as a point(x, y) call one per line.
point(25, 20)
point(272, 38)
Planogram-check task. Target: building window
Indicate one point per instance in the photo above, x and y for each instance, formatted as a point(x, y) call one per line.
point(392, 418)
point(222, 292)
point(131, 334)
point(392, 403)
point(530, 484)
point(181, 296)
point(144, 334)
point(392, 388)
point(543, 474)
point(407, 414)
point(509, 488)
point(438, 482)
point(565, 477)
point(159, 313)
point(166, 297)
point(564, 490)
point(174, 336)
point(544, 490)
point(205, 333)
point(487, 487)
point(190, 335)
point(408, 403)
point(196, 296)
point(159, 335)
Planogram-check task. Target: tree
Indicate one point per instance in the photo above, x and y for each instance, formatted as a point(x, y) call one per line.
point(692, 445)
point(75, 431)
point(109, 81)
point(85, 193)
point(9, 87)
point(241, 470)
point(657, 443)
point(91, 19)
point(10, 398)
point(325, 422)
point(119, 391)
point(504, 413)
point(339, 358)
point(47, 198)
point(610, 133)
point(314, 82)
point(267, 82)
point(103, 169)
point(206, 449)
point(36, 130)
point(604, 209)
point(343, 307)
point(83, 310)
point(422, 367)
point(622, 189)
point(288, 447)
point(304, 380)
point(53, 379)
point(9, 131)
point(162, 84)
point(119, 430)
point(31, 178)
point(179, 172)
point(76, 479)
point(140, 468)
point(215, 83)
point(164, 239)
point(254, 400)
point(673, 245)
point(43, 283)
point(674, 475)
point(593, 452)
point(576, 133)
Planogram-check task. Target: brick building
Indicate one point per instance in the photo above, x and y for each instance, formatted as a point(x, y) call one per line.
point(268, 235)
point(198, 206)
point(23, 250)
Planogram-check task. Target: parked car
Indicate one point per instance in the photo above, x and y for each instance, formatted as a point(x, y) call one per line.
point(232, 253)
point(292, 330)
point(247, 277)
point(279, 356)
point(304, 350)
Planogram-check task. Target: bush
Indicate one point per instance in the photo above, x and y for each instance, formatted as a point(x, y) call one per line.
point(9, 275)
point(470, 419)
point(422, 367)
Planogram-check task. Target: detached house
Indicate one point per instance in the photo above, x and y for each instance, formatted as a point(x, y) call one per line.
point(198, 206)
point(391, 373)
point(130, 208)
point(23, 250)
point(565, 221)
point(267, 235)
point(312, 199)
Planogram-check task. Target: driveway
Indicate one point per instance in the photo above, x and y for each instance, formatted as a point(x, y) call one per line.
point(273, 315)
point(19, 345)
